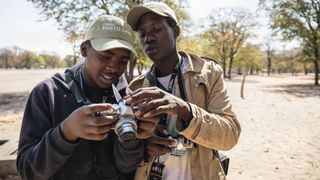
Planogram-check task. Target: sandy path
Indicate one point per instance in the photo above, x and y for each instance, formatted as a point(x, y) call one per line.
point(280, 119)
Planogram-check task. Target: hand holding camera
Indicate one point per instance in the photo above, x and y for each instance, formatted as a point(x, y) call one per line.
point(81, 123)
point(159, 143)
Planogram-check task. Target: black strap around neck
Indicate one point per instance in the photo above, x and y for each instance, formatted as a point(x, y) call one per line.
point(74, 80)
point(177, 72)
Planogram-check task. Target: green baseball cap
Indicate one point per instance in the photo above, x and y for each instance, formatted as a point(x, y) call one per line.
point(109, 32)
point(159, 8)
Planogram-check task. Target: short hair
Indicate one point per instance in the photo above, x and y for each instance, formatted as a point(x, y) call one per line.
point(87, 42)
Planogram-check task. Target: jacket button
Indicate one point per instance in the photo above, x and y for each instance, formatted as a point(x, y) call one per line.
point(208, 121)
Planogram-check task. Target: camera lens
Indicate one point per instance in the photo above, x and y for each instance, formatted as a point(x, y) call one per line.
point(127, 132)
point(126, 129)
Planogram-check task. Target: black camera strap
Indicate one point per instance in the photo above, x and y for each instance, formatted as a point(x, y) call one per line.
point(157, 167)
point(76, 87)
point(177, 72)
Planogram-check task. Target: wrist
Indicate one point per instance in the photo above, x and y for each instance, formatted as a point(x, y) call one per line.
point(187, 113)
point(65, 132)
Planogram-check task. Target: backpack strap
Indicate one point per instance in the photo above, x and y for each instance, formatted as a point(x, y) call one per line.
point(74, 85)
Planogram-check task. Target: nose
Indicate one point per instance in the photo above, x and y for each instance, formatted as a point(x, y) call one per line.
point(112, 64)
point(149, 37)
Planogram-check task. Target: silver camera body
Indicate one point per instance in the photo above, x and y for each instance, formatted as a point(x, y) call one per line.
point(126, 125)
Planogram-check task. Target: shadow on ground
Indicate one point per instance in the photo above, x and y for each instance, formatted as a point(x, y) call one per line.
point(297, 90)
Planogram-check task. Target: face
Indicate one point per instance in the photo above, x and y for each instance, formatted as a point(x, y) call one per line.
point(157, 38)
point(102, 68)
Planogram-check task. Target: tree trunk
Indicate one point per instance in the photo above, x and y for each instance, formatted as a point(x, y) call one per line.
point(230, 67)
point(269, 64)
point(316, 72)
point(224, 67)
point(305, 69)
point(239, 71)
point(242, 83)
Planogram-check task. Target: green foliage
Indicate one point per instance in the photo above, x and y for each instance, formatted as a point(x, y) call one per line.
point(298, 19)
point(6, 58)
point(291, 61)
point(228, 31)
point(16, 57)
point(250, 57)
point(52, 61)
point(68, 60)
point(199, 45)
point(74, 16)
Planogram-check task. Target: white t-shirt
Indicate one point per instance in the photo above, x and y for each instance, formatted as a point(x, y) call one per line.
point(176, 167)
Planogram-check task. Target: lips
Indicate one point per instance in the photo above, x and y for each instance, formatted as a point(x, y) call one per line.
point(107, 78)
point(150, 50)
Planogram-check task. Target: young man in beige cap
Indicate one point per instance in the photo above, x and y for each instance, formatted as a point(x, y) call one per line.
point(62, 134)
point(189, 95)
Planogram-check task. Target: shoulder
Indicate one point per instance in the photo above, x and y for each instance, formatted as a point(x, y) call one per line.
point(137, 82)
point(204, 63)
point(50, 86)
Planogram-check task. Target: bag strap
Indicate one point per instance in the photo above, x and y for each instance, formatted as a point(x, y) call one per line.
point(74, 86)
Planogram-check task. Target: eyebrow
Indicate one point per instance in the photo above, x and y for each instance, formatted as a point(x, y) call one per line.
point(152, 25)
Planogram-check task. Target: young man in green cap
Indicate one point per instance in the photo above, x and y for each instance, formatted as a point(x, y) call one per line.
point(62, 134)
point(189, 95)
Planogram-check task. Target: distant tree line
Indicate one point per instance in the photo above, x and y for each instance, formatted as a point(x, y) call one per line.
point(224, 36)
point(18, 58)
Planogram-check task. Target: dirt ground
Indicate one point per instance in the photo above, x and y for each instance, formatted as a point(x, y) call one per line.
point(279, 116)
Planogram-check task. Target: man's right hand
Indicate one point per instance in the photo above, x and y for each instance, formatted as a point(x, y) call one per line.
point(82, 123)
point(160, 144)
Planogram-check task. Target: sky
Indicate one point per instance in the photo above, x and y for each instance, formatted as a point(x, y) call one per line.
point(20, 25)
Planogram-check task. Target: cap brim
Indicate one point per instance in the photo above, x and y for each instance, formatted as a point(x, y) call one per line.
point(136, 12)
point(103, 44)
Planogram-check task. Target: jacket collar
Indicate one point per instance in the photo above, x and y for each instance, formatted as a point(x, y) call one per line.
point(192, 62)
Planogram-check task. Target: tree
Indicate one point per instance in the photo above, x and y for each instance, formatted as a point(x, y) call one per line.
point(229, 29)
point(250, 58)
point(69, 60)
point(6, 58)
point(298, 19)
point(52, 61)
point(73, 16)
point(74, 39)
point(269, 52)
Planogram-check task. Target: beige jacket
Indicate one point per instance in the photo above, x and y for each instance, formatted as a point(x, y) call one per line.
point(213, 126)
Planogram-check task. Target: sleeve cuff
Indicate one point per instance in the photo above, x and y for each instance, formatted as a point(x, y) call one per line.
point(188, 131)
point(60, 143)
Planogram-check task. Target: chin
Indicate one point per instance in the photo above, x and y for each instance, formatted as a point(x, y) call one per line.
point(102, 85)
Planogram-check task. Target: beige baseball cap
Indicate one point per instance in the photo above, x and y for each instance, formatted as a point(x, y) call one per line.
point(159, 8)
point(109, 32)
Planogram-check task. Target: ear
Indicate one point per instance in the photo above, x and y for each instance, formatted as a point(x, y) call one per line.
point(176, 31)
point(84, 49)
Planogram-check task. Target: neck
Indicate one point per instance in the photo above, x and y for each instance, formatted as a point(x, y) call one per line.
point(166, 67)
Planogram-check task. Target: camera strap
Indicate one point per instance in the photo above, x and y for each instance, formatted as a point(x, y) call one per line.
point(157, 167)
point(151, 76)
point(76, 87)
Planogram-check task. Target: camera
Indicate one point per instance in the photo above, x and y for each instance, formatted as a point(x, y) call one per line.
point(126, 125)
